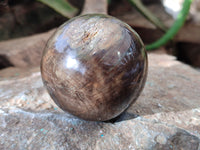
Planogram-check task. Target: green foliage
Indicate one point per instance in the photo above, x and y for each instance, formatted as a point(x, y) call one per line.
point(67, 10)
point(62, 7)
point(147, 14)
point(174, 28)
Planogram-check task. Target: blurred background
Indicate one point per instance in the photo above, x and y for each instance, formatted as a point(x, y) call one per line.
point(21, 18)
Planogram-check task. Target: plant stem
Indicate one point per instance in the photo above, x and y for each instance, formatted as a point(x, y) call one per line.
point(174, 28)
point(95, 6)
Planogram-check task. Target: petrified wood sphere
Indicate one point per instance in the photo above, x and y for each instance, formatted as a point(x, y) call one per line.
point(94, 67)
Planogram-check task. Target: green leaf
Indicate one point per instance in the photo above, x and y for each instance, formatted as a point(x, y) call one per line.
point(62, 7)
point(179, 22)
point(147, 14)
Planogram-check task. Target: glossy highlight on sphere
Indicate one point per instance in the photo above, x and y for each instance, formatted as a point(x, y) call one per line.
point(94, 67)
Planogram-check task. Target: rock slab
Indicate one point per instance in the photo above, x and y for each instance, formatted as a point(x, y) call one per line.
point(26, 130)
point(166, 115)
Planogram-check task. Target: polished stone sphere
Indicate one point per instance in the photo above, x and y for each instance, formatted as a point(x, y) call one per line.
point(94, 67)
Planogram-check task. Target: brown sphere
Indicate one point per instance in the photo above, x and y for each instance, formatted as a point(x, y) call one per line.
point(94, 67)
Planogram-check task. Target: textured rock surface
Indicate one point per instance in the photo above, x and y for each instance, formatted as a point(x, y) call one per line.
point(166, 115)
point(26, 130)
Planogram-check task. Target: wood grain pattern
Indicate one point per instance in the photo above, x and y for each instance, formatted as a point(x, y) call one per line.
point(94, 67)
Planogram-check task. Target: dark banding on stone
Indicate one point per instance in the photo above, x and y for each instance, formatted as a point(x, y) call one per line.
point(94, 67)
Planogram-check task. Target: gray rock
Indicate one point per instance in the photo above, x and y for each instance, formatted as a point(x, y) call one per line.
point(24, 88)
point(166, 115)
point(27, 130)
